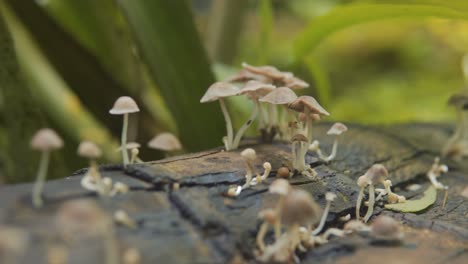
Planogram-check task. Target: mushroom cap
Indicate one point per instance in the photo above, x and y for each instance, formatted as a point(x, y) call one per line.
point(283, 172)
point(165, 141)
point(300, 208)
point(295, 83)
point(280, 95)
point(249, 154)
point(130, 145)
point(299, 137)
point(363, 181)
point(257, 89)
point(385, 227)
point(305, 101)
point(377, 173)
point(268, 215)
point(245, 75)
point(219, 90)
point(269, 71)
point(337, 129)
point(124, 105)
point(312, 116)
point(329, 196)
point(89, 150)
point(46, 139)
point(280, 186)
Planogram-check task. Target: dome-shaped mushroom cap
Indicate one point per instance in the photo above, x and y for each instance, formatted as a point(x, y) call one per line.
point(386, 227)
point(269, 71)
point(245, 75)
point(46, 139)
point(280, 186)
point(219, 90)
point(257, 89)
point(300, 208)
point(124, 105)
point(305, 101)
point(249, 154)
point(280, 95)
point(295, 83)
point(165, 141)
point(337, 129)
point(268, 215)
point(377, 173)
point(329, 196)
point(299, 137)
point(89, 150)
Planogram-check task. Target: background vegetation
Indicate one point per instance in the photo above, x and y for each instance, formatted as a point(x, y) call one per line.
point(64, 62)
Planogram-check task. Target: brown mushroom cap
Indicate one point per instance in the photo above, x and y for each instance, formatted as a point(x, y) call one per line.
point(268, 215)
point(165, 141)
point(257, 89)
point(280, 186)
point(295, 83)
point(305, 101)
point(269, 71)
point(337, 129)
point(377, 173)
point(279, 96)
point(89, 150)
point(124, 105)
point(249, 154)
point(299, 137)
point(283, 172)
point(386, 227)
point(219, 90)
point(46, 139)
point(313, 117)
point(300, 208)
point(245, 75)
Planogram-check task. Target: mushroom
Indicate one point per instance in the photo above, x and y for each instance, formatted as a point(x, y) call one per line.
point(387, 229)
point(92, 179)
point(355, 226)
point(281, 96)
point(234, 191)
point(121, 217)
point(457, 146)
point(269, 217)
point(264, 176)
point(299, 151)
point(124, 105)
point(337, 129)
point(391, 196)
point(282, 188)
point(119, 188)
point(329, 196)
point(283, 172)
point(249, 156)
point(219, 91)
point(44, 140)
point(246, 75)
point(277, 77)
point(299, 209)
point(375, 174)
point(166, 142)
point(133, 147)
point(436, 170)
point(307, 105)
point(254, 90)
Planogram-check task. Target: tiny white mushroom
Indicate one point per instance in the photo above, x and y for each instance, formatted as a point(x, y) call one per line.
point(329, 196)
point(337, 129)
point(282, 188)
point(119, 188)
point(249, 156)
point(92, 179)
point(121, 217)
point(269, 217)
point(124, 105)
point(166, 141)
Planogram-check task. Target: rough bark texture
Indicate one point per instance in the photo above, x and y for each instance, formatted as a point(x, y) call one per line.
point(198, 224)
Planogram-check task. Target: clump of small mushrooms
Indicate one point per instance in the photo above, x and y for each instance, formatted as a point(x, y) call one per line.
point(436, 170)
point(124, 105)
point(376, 174)
point(45, 140)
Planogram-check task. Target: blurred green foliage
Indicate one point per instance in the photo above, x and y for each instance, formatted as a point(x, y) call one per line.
point(371, 61)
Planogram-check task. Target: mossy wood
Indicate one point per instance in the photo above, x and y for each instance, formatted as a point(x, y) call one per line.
point(198, 224)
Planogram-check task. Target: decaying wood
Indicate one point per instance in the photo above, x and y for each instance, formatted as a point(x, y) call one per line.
point(199, 224)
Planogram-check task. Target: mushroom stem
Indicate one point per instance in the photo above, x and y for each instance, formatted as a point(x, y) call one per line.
point(370, 206)
point(261, 235)
point(248, 175)
point(124, 140)
point(319, 228)
point(301, 157)
point(277, 226)
point(359, 201)
point(227, 118)
point(40, 179)
point(246, 125)
point(134, 156)
point(334, 149)
point(308, 125)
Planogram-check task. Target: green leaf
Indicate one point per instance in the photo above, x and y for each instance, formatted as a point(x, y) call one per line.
point(413, 206)
point(168, 42)
point(347, 16)
point(266, 27)
point(322, 84)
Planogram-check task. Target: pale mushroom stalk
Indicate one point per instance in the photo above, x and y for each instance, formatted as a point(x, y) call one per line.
point(261, 235)
point(40, 179)
point(370, 206)
point(123, 140)
point(319, 228)
point(246, 125)
point(334, 150)
point(229, 129)
point(277, 225)
point(308, 125)
point(359, 201)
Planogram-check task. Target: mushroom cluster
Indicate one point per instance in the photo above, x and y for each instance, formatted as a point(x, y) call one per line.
point(374, 175)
